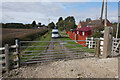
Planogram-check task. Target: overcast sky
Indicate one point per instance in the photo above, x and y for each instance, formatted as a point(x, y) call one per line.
point(26, 12)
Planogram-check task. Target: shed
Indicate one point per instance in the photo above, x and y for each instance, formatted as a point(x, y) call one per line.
point(84, 31)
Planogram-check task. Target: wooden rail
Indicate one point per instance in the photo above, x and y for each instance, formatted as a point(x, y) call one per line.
point(100, 43)
point(116, 46)
point(3, 48)
point(7, 53)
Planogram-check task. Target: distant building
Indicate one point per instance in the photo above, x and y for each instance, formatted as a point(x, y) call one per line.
point(93, 23)
point(82, 24)
point(84, 31)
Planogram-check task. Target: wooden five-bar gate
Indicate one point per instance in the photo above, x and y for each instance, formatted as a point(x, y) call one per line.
point(53, 50)
point(26, 52)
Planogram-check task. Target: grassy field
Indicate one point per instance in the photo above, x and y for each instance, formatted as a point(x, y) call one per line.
point(9, 35)
point(75, 46)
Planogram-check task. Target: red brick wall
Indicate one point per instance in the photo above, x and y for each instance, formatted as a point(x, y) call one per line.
point(71, 35)
point(78, 37)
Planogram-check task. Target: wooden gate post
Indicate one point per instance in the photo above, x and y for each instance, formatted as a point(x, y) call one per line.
point(7, 60)
point(118, 68)
point(98, 48)
point(107, 46)
point(17, 51)
point(119, 48)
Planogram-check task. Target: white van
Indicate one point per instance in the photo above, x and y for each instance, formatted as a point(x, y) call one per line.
point(55, 33)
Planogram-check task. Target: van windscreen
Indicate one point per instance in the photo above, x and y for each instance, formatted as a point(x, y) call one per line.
point(54, 32)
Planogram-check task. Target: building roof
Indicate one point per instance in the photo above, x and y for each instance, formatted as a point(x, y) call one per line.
point(94, 23)
point(85, 29)
point(108, 22)
point(83, 24)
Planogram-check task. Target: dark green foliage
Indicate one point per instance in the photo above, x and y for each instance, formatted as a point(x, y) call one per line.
point(67, 24)
point(39, 24)
point(33, 24)
point(28, 26)
point(88, 19)
point(61, 25)
point(97, 32)
point(51, 25)
point(14, 25)
point(70, 19)
point(61, 28)
point(99, 29)
point(21, 25)
point(97, 35)
point(60, 19)
point(70, 25)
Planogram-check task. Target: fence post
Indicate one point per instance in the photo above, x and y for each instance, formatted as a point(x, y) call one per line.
point(86, 42)
point(113, 47)
point(119, 48)
point(17, 51)
point(7, 60)
point(107, 47)
point(95, 44)
point(98, 48)
point(91, 42)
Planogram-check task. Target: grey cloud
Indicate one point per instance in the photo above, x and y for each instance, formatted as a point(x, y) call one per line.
point(44, 8)
point(40, 11)
point(30, 10)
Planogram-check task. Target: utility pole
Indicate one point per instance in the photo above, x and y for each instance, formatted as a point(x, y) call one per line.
point(48, 20)
point(102, 12)
point(117, 27)
point(105, 22)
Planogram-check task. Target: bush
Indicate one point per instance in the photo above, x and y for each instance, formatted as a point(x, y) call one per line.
point(61, 28)
point(97, 35)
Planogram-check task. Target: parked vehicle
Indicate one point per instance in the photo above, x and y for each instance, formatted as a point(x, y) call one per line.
point(55, 33)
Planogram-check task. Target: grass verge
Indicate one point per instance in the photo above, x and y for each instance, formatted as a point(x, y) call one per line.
point(75, 46)
point(35, 51)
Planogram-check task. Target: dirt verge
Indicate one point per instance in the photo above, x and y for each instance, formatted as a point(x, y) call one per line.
point(79, 68)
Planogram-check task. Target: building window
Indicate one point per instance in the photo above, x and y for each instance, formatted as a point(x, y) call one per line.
point(77, 32)
point(83, 33)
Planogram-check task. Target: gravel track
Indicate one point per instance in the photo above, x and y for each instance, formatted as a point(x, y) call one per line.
point(78, 68)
